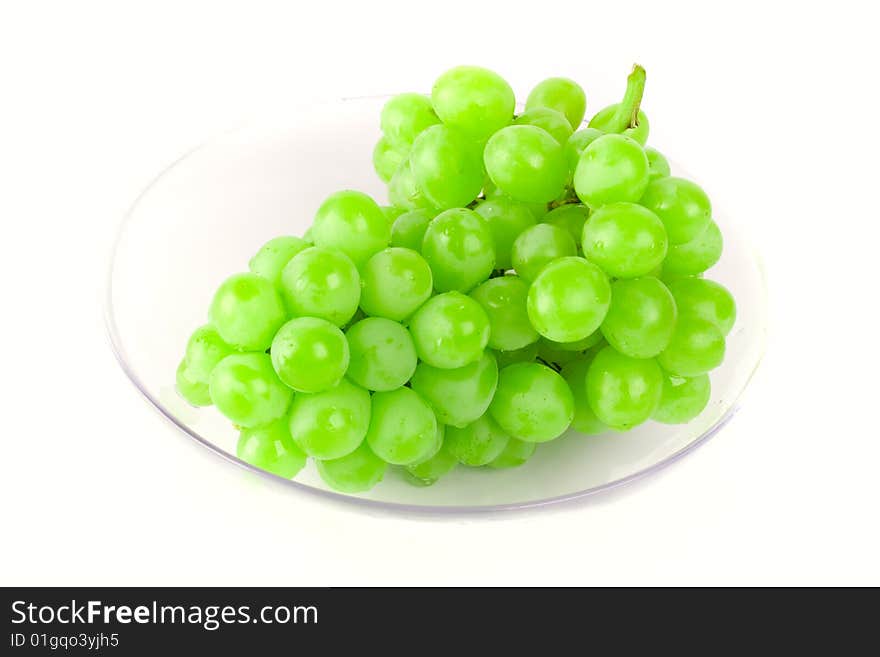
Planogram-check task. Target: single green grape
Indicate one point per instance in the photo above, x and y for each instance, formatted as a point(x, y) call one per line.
point(625, 240)
point(478, 443)
point(450, 330)
point(310, 354)
point(532, 402)
point(247, 311)
point(404, 117)
point(570, 217)
point(526, 163)
point(525, 355)
point(274, 254)
point(705, 299)
point(697, 346)
point(404, 192)
point(204, 349)
point(387, 159)
point(585, 420)
point(353, 223)
point(641, 317)
point(194, 391)
point(622, 391)
point(560, 94)
point(612, 169)
point(603, 118)
point(447, 167)
point(555, 123)
point(403, 428)
point(331, 423)
point(355, 472)
point(568, 299)
point(682, 206)
point(321, 282)
point(271, 448)
point(429, 471)
point(658, 166)
point(458, 246)
point(507, 219)
point(474, 100)
point(246, 389)
point(409, 228)
point(576, 144)
point(396, 282)
point(461, 395)
point(538, 246)
point(515, 453)
point(383, 356)
point(504, 300)
point(696, 256)
point(683, 399)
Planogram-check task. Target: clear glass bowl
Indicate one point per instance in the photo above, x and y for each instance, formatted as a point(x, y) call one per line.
point(203, 218)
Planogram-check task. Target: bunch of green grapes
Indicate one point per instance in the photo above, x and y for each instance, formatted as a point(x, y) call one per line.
point(529, 276)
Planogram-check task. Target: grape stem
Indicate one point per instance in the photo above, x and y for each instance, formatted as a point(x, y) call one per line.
point(627, 114)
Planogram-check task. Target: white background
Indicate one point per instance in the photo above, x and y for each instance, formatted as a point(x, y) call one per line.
point(774, 105)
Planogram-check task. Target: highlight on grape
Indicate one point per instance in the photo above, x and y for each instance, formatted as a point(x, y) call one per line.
point(531, 275)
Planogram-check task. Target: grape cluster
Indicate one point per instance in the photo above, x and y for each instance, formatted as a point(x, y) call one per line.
point(525, 279)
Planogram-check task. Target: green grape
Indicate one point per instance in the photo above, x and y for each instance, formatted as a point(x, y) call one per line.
point(355, 472)
point(409, 228)
point(403, 428)
point(538, 246)
point(516, 453)
point(332, 423)
point(204, 349)
point(705, 299)
point(391, 213)
point(625, 240)
point(697, 346)
point(641, 317)
point(507, 219)
point(386, 159)
point(658, 167)
point(585, 420)
point(560, 94)
point(568, 300)
point(683, 399)
point(604, 117)
point(404, 117)
point(525, 355)
point(458, 247)
point(191, 389)
point(555, 123)
point(576, 144)
point(310, 354)
point(532, 403)
point(450, 330)
point(554, 353)
point(447, 167)
point(622, 391)
point(682, 206)
point(461, 395)
point(396, 282)
point(504, 300)
point(478, 443)
point(429, 471)
point(696, 256)
point(526, 163)
point(612, 169)
point(570, 217)
point(274, 254)
point(245, 388)
point(383, 356)
point(353, 223)
point(320, 282)
point(404, 192)
point(246, 311)
point(271, 448)
point(474, 100)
